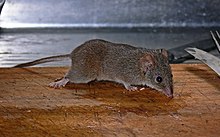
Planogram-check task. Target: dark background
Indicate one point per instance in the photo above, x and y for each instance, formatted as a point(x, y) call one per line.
point(113, 13)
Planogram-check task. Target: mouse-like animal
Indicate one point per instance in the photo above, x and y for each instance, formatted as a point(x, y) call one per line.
point(103, 60)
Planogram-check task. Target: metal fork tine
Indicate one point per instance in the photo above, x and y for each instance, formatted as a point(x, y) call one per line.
point(217, 34)
point(214, 38)
point(219, 39)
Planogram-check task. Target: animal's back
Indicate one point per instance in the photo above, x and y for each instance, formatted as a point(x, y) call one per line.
point(98, 49)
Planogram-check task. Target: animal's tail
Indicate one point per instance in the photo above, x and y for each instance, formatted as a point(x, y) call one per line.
point(43, 60)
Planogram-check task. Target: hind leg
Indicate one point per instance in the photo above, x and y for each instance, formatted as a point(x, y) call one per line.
point(77, 76)
point(74, 76)
point(60, 83)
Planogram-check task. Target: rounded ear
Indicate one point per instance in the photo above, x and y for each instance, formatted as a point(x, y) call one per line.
point(147, 62)
point(164, 52)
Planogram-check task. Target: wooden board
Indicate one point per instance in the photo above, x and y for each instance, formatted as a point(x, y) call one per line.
point(28, 107)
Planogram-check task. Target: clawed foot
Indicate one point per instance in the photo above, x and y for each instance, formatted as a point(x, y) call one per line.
point(60, 83)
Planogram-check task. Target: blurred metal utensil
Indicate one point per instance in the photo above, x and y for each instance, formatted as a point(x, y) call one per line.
point(215, 39)
point(179, 55)
point(2, 2)
point(212, 61)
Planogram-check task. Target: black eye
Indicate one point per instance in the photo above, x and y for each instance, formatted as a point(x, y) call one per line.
point(159, 79)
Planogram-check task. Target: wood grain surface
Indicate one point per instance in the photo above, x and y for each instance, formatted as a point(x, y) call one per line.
point(28, 107)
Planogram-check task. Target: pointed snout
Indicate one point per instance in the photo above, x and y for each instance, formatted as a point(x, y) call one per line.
point(169, 92)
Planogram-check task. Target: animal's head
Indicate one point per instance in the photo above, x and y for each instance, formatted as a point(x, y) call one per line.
point(157, 71)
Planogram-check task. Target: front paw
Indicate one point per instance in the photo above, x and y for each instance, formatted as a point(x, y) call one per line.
point(131, 88)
